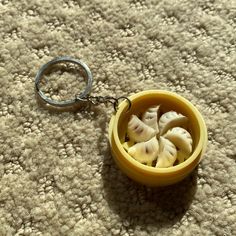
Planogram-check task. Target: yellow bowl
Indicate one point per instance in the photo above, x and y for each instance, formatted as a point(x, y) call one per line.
point(148, 175)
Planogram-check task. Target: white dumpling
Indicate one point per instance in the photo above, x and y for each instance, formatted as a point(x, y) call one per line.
point(181, 138)
point(145, 152)
point(167, 153)
point(181, 156)
point(138, 131)
point(127, 145)
point(150, 117)
point(171, 119)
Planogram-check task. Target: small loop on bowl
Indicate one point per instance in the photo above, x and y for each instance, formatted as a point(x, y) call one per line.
point(65, 103)
point(127, 100)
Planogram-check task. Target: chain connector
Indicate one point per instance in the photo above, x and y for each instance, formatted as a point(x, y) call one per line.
point(96, 100)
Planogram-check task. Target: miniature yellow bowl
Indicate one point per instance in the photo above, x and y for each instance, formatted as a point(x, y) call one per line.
point(147, 175)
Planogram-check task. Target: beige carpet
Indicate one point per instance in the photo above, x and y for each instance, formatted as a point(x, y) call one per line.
point(57, 176)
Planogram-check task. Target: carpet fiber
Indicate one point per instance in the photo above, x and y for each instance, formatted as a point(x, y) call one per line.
point(57, 176)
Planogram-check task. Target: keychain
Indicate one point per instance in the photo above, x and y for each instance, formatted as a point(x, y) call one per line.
point(83, 97)
point(156, 137)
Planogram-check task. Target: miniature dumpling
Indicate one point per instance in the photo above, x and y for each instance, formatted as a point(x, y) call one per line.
point(167, 153)
point(150, 117)
point(128, 144)
point(181, 138)
point(171, 119)
point(181, 156)
point(145, 152)
point(138, 131)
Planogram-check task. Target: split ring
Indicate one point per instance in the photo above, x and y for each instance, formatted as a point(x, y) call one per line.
point(65, 103)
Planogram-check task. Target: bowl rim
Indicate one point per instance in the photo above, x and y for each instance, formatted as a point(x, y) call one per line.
point(200, 148)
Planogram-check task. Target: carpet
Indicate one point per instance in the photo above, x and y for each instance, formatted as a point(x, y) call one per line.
point(57, 176)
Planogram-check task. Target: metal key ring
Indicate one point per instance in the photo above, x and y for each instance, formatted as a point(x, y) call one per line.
point(65, 103)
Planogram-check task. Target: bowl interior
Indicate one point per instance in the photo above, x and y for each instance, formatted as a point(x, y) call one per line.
point(168, 102)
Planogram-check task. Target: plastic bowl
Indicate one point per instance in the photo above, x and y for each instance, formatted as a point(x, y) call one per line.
point(148, 175)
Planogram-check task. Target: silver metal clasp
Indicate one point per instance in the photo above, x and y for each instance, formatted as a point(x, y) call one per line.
point(65, 103)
